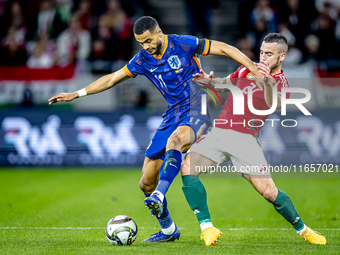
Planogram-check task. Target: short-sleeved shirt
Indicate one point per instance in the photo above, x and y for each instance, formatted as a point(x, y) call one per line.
point(172, 72)
point(249, 122)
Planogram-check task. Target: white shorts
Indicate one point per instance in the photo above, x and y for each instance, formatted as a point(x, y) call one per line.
point(222, 145)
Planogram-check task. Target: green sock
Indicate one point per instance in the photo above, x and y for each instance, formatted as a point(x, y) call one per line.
point(196, 197)
point(284, 206)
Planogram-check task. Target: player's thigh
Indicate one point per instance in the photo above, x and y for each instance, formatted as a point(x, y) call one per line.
point(157, 146)
point(199, 125)
point(246, 154)
point(189, 130)
point(253, 166)
point(181, 138)
point(195, 164)
point(211, 146)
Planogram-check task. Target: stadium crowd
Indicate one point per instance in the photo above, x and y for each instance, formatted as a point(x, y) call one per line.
point(311, 27)
point(44, 33)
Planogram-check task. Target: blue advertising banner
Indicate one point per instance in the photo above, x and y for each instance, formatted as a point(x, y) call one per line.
point(46, 138)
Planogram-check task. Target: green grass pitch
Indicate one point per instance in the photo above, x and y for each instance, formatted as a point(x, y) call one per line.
point(45, 211)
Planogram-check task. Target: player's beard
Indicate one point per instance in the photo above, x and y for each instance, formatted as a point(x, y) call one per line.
point(158, 48)
point(275, 66)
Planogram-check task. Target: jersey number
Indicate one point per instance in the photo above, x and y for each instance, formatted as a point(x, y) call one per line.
point(160, 80)
point(192, 119)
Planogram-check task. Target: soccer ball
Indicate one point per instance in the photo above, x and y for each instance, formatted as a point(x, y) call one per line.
point(121, 230)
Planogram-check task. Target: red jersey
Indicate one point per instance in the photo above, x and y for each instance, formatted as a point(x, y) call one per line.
point(249, 122)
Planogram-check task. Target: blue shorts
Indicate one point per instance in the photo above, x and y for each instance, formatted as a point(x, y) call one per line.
point(156, 148)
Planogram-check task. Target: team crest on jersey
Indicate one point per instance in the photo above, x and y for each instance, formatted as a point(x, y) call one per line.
point(174, 62)
point(250, 76)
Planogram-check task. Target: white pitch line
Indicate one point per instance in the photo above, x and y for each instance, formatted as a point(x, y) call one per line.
point(57, 228)
point(224, 229)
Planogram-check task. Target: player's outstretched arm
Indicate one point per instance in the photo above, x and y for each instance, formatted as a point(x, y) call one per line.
point(269, 83)
point(202, 79)
point(104, 83)
point(223, 49)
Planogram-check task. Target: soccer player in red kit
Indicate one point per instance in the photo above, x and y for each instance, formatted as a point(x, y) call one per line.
point(248, 123)
point(234, 137)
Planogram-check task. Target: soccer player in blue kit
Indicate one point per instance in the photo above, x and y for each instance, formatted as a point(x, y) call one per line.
point(169, 62)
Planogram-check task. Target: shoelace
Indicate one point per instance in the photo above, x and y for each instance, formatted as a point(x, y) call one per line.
point(159, 232)
point(309, 235)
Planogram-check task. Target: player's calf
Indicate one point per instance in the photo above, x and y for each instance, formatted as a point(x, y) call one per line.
point(149, 180)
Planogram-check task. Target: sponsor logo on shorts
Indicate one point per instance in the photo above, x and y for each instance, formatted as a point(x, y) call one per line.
point(263, 169)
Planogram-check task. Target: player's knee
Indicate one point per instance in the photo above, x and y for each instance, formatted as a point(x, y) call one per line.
point(174, 142)
point(185, 168)
point(191, 164)
point(147, 187)
point(269, 194)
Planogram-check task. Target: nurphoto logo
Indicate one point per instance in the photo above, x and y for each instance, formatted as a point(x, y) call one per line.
point(238, 103)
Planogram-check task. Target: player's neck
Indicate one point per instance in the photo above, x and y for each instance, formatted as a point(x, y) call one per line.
point(276, 71)
point(159, 52)
point(163, 43)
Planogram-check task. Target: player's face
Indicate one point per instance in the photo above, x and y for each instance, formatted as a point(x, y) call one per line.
point(151, 42)
point(270, 54)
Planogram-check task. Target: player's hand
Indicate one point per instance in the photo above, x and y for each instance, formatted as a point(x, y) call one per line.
point(63, 97)
point(264, 69)
point(202, 79)
point(258, 78)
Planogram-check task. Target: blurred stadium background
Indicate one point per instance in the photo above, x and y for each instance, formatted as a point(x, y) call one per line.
point(54, 46)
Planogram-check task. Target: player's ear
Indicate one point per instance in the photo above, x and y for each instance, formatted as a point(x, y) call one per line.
point(283, 56)
point(159, 32)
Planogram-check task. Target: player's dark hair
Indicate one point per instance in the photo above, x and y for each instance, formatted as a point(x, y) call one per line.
point(277, 38)
point(143, 24)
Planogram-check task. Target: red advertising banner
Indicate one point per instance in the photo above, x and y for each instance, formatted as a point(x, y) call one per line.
point(42, 83)
point(23, 73)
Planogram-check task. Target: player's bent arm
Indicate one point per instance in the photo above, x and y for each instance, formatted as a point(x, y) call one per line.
point(223, 49)
point(104, 83)
point(269, 83)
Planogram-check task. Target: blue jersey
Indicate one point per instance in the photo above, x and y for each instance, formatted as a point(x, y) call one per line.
point(171, 73)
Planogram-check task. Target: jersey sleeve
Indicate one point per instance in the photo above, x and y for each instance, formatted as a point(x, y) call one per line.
point(193, 45)
point(282, 82)
point(134, 67)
